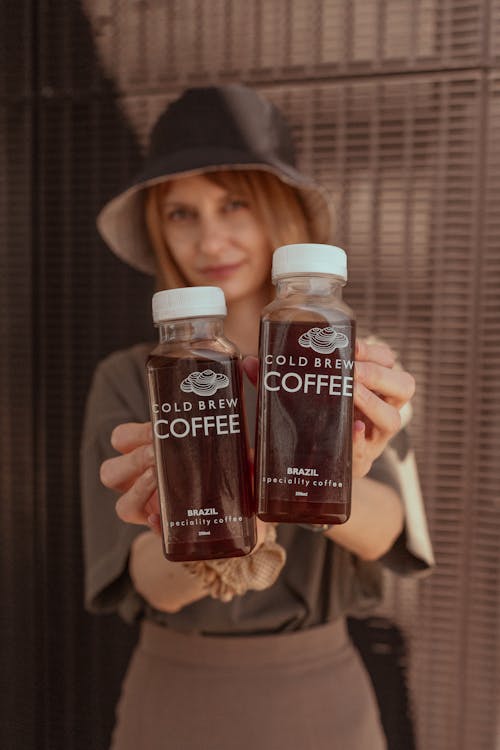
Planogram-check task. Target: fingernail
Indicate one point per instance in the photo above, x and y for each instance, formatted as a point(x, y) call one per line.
point(359, 426)
point(150, 453)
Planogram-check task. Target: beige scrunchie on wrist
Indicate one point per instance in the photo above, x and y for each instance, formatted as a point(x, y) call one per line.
point(233, 576)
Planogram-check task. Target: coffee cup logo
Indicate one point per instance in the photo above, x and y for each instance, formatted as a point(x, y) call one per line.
point(323, 340)
point(204, 383)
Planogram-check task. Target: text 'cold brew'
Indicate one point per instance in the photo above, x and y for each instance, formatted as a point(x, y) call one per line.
point(305, 410)
point(199, 432)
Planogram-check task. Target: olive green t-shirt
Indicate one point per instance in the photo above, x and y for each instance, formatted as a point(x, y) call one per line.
point(320, 581)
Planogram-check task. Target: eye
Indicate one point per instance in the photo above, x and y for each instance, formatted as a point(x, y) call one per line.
point(234, 204)
point(179, 214)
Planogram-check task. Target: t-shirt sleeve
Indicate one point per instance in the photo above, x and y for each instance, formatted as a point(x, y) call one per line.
point(117, 394)
point(411, 553)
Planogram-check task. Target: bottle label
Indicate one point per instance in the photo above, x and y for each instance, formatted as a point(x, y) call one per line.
point(224, 419)
point(304, 447)
point(201, 451)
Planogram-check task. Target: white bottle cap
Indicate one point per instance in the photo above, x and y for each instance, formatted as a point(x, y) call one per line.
point(306, 258)
point(188, 302)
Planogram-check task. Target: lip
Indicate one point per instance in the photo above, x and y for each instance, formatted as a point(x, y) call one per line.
point(222, 271)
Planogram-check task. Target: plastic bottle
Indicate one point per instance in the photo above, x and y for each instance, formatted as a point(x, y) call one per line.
point(199, 430)
point(305, 409)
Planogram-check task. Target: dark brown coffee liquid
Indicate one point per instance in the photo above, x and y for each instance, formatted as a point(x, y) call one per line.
point(204, 481)
point(305, 413)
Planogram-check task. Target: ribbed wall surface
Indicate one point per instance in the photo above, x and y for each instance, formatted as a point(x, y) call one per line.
point(17, 522)
point(64, 303)
point(395, 106)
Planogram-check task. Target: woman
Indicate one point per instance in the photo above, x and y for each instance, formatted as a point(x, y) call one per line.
point(270, 667)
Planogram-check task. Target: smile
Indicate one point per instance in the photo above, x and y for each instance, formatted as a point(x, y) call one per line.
point(222, 271)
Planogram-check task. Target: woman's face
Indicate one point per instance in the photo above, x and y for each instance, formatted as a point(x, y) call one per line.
point(215, 238)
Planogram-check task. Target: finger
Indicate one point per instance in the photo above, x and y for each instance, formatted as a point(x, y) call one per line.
point(131, 506)
point(251, 367)
point(358, 441)
point(380, 353)
point(152, 506)
point(362, 450)
point(384, 416)
point(368, 425)
point(129, 435)
point(397, 386)
point(154, 523)
point(120, 473)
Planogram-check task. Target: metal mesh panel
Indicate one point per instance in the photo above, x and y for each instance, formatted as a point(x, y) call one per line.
point(395, 105)
point(153, 42)
point(412, 164)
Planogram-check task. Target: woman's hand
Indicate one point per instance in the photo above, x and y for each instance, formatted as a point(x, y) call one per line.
point(380, 391)
point(133, 474)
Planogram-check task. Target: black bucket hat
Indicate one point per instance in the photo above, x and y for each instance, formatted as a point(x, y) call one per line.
point(209, 129)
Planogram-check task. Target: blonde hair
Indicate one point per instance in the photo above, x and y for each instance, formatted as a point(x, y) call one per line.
point(277, 206)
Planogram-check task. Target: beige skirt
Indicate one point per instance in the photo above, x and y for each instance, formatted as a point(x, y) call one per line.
point(306, 690)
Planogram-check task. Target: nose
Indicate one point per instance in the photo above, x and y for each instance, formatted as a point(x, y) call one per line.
point(212, 237)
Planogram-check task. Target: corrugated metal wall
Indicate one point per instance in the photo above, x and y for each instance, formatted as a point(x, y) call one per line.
point(396, 106)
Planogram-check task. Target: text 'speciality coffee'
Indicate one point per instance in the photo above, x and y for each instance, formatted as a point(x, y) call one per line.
point(199, 431)
point(305, 411)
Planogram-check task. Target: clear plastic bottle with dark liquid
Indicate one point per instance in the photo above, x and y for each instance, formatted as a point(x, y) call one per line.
point(199, 429)
point(303, 458)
